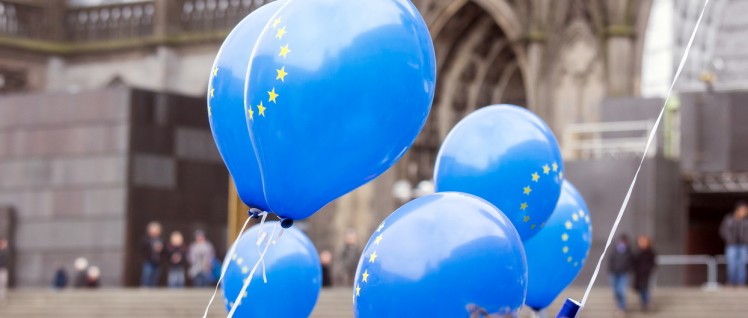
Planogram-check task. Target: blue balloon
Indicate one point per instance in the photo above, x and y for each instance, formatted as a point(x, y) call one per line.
point(294, 275)
point(226, 106)
point(442, 255)
point(508, 156)
point(337, 92)
point(558, 252)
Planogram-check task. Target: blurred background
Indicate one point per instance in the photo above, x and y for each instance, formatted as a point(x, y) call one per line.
point(103, 123)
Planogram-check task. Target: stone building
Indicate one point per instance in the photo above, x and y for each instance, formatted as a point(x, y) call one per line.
point(573, 62)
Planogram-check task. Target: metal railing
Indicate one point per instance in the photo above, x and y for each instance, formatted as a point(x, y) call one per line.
point(596, 140)
point(709, 261)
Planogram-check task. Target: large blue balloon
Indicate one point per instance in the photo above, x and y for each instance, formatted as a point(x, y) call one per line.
point(558, 252)
point(226, 106)
point(337, 91)
point(508, 156)
point(294, 276)
point(442, 255)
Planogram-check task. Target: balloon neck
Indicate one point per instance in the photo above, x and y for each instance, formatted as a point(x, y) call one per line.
point(570, 309)
point(254, 213)
point(286, 223)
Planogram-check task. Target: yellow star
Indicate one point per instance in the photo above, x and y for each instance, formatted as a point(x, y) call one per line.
point(245, 270)
point(526, 219)
point(555, 167)
point(568, 225)
point(244, 294)
point(365, 276)
point(535, 177)
point(233, 257)
point(372, 257)
point(564, 237)
point(381, 226)
point(251, 113)
point(523, 206)
point(284, 51)
point(358, 290)
point(272, 96)
point(215, 71)
point(276, 22)
point(576, 264)
point(281, 74)
point(565, 249)
point(546, 169)
point(568, 259)
point(542, 225)
point(581, 213)
point(239, 261)
point(261, 108)
point(532, 227)
point(527, 190)
point(575, 217)
point(212, 92)
point(378, 239)
point(281, 32)
point(561, 174)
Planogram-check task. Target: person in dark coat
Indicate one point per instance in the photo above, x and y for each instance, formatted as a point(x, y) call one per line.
point(325, 258)
point(81, 272)
point(176, 253)
point(644, 266)
point(153, 250)
point(61, 278)
point(734, 231)
point(619, 266)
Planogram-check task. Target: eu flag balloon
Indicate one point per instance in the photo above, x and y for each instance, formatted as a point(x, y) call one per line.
point(293, 273)
point(508, 156)
point(226, 106)
point(442, 255)
point(337, 91)
point(558, 252)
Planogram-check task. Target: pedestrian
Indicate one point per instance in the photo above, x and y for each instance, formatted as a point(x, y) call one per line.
point(4, 267)
point(200, 256)
point(644, 266)
point(93, 276)
point(152, 248)
point(60, 280)
point(325, 258)
point(619, 266)
point(81, 272)
point(347, 259)
point(176, 252)
point(734, 231)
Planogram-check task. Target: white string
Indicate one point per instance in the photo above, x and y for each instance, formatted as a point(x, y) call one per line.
point(261, 236)
point(223, 269)
point(644, 155)
point(248, 280)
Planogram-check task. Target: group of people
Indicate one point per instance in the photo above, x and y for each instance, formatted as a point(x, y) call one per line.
point(342, 271)
point(734, 231)
point(625, 260)
point(198, 261)
point(86, 276)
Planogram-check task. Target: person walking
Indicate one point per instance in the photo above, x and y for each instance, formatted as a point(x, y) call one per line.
point(644, 266)
point(347, 259)
point(152, 248)
point(200, 256)
point(176, 253)
point(4, 268)
point(619, 266)
point(81, 272)
point(734, 231)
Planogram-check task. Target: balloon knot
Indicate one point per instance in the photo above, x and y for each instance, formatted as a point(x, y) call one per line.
point(286, 223)
point(254, 213)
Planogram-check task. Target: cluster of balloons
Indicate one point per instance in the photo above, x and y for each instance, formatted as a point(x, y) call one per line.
point(504, 229)
point(310, 99)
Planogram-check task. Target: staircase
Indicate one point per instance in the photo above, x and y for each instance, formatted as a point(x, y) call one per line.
point(334, 303)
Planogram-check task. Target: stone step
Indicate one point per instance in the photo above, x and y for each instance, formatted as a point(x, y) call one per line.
point(333, 303)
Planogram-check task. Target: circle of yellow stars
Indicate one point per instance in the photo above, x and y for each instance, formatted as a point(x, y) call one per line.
point(280, 74)
point(212, 90)
point(370, 258)
point(568, 225)
point(535, 177)
point(239, 261)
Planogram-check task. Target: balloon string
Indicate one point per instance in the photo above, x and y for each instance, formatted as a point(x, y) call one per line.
point(652, 134)
point(268, 241)
point(223, 269)
point(261, 236)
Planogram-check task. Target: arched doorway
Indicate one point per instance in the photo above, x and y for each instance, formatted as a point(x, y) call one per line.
point(477, 66)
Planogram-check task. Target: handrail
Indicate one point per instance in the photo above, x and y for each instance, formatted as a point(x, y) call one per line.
point(708, 260)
